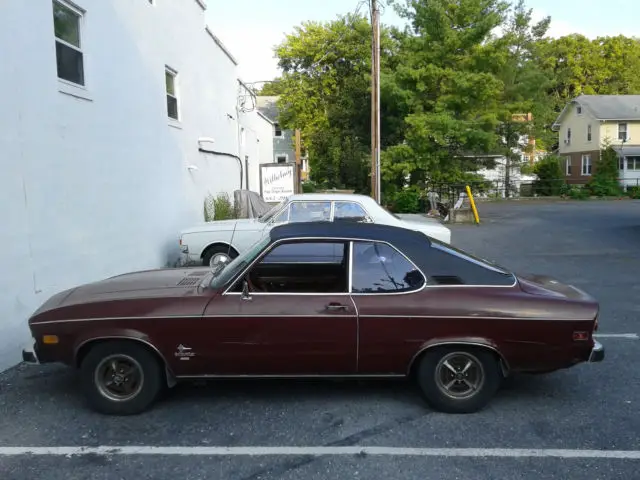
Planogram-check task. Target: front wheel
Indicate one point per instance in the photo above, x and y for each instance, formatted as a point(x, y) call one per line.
point(121, 378)
point(458, 379)
point(217, 255)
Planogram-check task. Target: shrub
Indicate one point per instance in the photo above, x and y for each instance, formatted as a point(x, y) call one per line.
point(578, 192)
point(604, 182)
point(633, 192)
point(223, 207)
point(550, 176)
point(407, 201)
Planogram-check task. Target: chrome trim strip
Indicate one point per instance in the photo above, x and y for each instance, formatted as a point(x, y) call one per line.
point(121, 337)
point(457, 342)
point(172, 317)
point(301, 376)
point(350, 269)
point(319, 294)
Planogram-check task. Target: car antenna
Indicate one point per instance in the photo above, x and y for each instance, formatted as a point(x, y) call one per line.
point(231, 241)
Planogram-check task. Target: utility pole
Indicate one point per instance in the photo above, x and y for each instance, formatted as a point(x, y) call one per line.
point(298, 161)
point(375, 102)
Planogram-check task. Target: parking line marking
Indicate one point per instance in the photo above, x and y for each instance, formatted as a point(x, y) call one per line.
point(322, 451)
point(630, 336)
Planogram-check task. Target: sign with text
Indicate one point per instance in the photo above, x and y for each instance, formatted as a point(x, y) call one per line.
point(277, 181)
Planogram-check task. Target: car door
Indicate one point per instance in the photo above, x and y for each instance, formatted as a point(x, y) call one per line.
point(294, 317)
point(388, 290)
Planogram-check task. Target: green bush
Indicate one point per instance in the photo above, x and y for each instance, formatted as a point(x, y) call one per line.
point(224, 207)
point(309, 187)
point(550, 176)
point(633, 192)
point(604, 182)
point(578, 192)
point(406, 201)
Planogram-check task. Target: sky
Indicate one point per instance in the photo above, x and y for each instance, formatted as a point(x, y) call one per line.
point(251, 28)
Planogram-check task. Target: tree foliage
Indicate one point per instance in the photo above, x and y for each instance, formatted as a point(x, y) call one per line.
point(451, 83)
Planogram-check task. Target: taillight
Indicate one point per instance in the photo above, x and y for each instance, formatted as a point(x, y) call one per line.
point(580, 336)
point(595, 325)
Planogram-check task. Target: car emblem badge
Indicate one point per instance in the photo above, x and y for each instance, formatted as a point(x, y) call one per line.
point(183, 352)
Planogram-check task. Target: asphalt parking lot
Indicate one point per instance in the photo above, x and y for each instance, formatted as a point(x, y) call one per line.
point(578, 423)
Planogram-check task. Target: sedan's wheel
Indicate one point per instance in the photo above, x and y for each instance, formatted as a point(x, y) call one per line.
point(218, 255)
point(458, 380)
point(121, 378)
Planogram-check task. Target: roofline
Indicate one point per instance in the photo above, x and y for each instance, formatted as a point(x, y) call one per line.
point(265, 117)
point(224, 49)
point(202, 3)
point(556, 124)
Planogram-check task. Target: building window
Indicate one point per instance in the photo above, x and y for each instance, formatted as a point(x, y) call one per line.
point(172, 93)
point(579, 110)
point(567, 165)
point(568, 141)
point(633, 163)
point(586, 164)
point(622, 132)
point(282, 158)
point(278, 130)
point(67, 24)
point(588, 133)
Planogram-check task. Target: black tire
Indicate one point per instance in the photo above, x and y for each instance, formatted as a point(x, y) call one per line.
point(430, 380)
point(129, 352)
point(211, 251)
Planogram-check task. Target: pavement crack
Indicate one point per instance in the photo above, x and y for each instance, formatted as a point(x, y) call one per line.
point(277, 471)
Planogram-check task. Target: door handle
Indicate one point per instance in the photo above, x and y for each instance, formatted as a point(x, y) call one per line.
point(336, 306)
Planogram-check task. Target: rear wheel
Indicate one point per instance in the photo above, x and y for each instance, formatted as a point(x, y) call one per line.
point(218, 254)
point(458, 379)
point(121, 378)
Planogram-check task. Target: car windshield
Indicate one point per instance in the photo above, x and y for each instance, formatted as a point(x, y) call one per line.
point(269, 215)
point(225, 272)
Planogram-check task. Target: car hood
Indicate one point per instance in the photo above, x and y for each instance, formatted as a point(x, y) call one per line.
point(240, 224)
point(136, 285)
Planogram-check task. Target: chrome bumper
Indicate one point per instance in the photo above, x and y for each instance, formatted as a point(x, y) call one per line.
point(597, 352)
point(29, 356)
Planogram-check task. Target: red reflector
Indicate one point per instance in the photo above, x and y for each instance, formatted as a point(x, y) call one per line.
point(580, 336)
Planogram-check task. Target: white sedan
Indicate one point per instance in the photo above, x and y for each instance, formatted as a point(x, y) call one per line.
point(214, 242)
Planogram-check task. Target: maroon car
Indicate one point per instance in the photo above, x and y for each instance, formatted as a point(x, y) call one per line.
point(319, 300)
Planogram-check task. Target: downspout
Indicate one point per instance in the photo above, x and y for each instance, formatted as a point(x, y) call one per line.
point(224, 154)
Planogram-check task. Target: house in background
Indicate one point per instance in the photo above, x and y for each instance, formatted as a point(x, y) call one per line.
point(283, 140)
point(590, 122)
point(120, 117)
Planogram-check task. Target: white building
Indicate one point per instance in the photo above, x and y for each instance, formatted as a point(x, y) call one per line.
point(105, 112)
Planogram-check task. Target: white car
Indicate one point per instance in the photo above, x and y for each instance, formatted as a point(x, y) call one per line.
point(214, 242)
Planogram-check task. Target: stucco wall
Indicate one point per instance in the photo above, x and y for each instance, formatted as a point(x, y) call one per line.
point(97, 186)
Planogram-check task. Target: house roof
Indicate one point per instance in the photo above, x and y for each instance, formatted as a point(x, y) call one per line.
point(605, 107)
point(268, 105)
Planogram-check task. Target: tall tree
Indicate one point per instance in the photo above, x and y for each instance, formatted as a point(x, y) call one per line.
point(522, 99)
point(451, 89)
point(326, 93)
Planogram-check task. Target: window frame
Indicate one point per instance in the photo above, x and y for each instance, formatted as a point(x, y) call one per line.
point(276, 127)
point(407, 292)
point(626, 131)
point(350, 241)
point(589, 164)
point(285, 155)
point(579, 109)
point(242, 275)
point(568, 164)
point(636, 163)
point(176, 95)
point(81, 25)
point(368, 217)
point(589, 133)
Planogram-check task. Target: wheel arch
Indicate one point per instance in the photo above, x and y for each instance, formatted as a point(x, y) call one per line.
point(475, 343)
point(83, 348)
point(218, 244)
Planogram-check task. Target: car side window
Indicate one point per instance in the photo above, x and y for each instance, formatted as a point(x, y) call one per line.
point(282, 217)
point(302, 267)
point(380, 268)
point(310, 212)
point(349, 211)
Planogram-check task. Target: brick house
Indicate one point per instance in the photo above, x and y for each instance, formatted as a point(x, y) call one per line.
point(590, 122)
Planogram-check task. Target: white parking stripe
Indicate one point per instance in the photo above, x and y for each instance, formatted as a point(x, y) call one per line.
point(630, 336)
point(321, 451)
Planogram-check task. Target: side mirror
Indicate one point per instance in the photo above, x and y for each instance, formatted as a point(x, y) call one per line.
point(245, 291)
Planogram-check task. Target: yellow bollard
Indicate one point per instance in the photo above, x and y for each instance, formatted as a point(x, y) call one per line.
point(473, 205)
